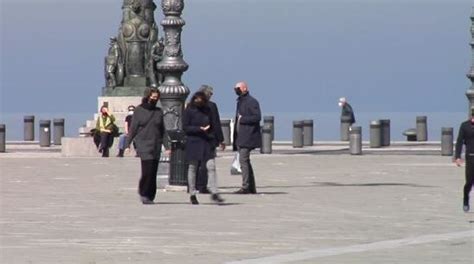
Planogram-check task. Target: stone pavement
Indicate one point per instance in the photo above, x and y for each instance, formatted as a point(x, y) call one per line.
point(314, 207)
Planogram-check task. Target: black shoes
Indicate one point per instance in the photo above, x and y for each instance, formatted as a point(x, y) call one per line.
point(217, 198)
point(465, 208)
point(120, 154)
point(145, 200)
point(242, 191)
point(193, 199)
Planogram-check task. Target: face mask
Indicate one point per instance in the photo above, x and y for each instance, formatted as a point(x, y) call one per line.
point(199, 103)
point(238, 92)
point(130, 112)
point(153, 101)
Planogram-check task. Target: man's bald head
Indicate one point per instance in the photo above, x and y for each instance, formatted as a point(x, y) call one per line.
point(242, 86)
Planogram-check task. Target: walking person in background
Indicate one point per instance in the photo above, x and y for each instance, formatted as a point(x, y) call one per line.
point(466, 137)
point(347, 111)
point(105, 127)
point(247, 135)
point(147, 131)
point(217, 141)
point(200, 150)
point(123, 137)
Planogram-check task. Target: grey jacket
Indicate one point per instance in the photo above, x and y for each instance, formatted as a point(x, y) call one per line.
point(147, 130)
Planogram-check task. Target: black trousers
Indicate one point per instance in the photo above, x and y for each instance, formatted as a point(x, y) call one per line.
point(147, 184)
point(202, 177)
point(104, 146)
point(469, 178)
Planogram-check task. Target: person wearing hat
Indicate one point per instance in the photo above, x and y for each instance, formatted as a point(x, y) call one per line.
point(123, 137)
point(466, 137)
point(217, 141)
point(347, 111)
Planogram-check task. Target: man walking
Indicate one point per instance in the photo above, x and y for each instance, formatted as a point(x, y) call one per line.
point(347, 112)
point(247, 135)
point(466, 137)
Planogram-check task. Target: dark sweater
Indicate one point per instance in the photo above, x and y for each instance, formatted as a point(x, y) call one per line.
point(465, 137)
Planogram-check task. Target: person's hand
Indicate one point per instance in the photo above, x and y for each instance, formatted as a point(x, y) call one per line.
point(238, 119)
point(206, 128)
point(458, 162)
point(222, 146)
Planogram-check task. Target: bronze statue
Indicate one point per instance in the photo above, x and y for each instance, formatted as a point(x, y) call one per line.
point(129, 64)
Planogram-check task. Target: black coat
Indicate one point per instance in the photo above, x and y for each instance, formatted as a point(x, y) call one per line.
point(199, 143)
point(247, 133)
point(147, 130)
point(216, 127)
point(348, 113)
point(465, 137)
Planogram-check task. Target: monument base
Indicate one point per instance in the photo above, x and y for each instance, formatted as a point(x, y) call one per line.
point(120, 91)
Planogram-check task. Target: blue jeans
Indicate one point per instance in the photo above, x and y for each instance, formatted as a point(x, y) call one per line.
point(122, 141)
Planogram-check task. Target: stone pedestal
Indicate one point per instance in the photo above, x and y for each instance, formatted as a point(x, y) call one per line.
point(125, 91)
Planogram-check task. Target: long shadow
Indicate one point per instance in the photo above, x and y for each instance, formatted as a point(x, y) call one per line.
point(335, 184)
point(264, 193)
point(183, 203)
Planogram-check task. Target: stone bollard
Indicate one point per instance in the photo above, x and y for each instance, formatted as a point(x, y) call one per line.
point(375, 134)
point(266, 139)
point(447, 139)
point(345, 125)
point(385, 130)
point(3, 138)
point(421, 128)
point(355, 140)
point(29, 128)
point(225, 123)
point(45, 133)
point(58, 126)
point(297, 134)
point(308, 132)
point(270, 120)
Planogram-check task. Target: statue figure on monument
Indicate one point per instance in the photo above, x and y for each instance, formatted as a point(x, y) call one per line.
point(156, 54)
point(113, 65)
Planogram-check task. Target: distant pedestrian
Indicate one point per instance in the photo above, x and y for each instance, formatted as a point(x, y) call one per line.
point(200, 144)
point(217, 141)
point(105, 129)
point(247, 135)
point(123, 137)
point(147, 130)
point(347, 111)
point(466, 137)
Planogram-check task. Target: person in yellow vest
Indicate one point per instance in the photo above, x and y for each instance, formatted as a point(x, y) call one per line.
point(105, 127)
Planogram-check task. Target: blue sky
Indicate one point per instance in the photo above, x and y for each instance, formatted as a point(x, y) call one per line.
point(297, 55)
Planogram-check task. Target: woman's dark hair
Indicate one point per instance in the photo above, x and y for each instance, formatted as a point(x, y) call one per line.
point(148, 92)
point(201, 95)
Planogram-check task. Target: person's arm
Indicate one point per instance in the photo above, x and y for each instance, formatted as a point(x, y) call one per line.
point(254, 117)
point(459, 143)
point(217, 124)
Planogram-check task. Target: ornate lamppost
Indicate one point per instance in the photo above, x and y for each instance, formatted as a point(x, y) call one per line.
point(173, 91)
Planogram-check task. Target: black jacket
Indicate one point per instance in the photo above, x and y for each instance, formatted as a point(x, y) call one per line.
point(216, 127)
point(147, 130)
point(247, 132)
point(199, 143)
point(347, 113)
point(465, 137)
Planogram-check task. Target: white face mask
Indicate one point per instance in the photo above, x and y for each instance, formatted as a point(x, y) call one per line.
point(130, 112)
point(340, 104)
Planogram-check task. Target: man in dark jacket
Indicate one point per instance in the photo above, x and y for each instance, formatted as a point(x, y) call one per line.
point(247, 135)
point(217, 141)
point(347, 112)
point(466, 137)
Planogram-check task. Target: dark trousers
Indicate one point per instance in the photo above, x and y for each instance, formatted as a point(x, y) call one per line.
point(469, 178)
point(202, 177)
point(248, 177)
point(105, 143)
point(147, 184)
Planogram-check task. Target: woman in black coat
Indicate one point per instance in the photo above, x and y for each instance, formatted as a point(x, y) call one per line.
point(147, 130)
point(200, 150)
